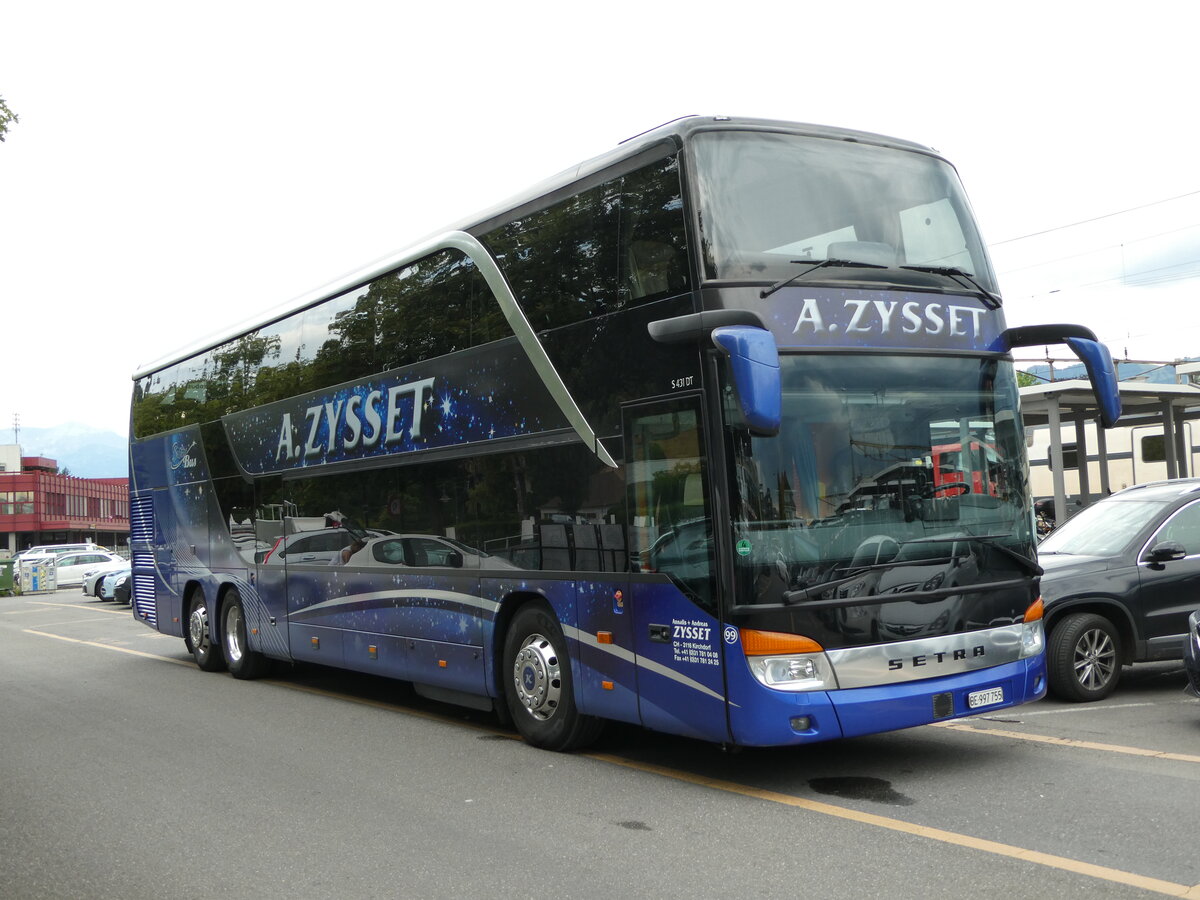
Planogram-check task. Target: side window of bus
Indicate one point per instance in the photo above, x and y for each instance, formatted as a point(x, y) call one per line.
point(593, 253)
point(436, 305)
point(561, 262)
point(653, 238)
point(670, 524)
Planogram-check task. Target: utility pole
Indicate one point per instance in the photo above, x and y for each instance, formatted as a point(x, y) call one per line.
point(16, 428)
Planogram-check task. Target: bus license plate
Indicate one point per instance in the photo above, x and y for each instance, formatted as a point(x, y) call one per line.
point(985, 698)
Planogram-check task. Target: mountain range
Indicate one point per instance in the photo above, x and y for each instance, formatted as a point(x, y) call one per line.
point(82, 450)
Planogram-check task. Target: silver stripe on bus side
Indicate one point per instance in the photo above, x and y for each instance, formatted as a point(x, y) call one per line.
point(406, 594)
point(460, 240)
point(902, 661)
point(641, 662)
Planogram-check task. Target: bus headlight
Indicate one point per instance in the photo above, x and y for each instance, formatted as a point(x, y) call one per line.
point(787, 662)
point(794, 673)
point(1033, 633)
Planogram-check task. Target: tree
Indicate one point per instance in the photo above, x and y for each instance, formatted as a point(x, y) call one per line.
point(6, 116)
point(1025, 379)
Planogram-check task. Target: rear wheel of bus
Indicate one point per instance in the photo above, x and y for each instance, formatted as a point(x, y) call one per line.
point(198, 635)
point(538, 685)
point(239, 658)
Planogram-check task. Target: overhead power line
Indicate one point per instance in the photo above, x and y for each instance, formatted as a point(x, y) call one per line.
point(1119, 212)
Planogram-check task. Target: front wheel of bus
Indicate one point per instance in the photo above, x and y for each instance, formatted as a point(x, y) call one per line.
point(241, 660)
point(538, 685)
point(199, 634)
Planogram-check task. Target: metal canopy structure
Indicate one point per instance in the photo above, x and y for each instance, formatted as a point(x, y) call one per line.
point(1059, 402)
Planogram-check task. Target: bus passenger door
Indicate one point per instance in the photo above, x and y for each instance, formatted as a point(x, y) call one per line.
point(673, 594)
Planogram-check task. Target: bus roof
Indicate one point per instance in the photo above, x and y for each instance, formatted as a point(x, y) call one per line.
point(676, 132)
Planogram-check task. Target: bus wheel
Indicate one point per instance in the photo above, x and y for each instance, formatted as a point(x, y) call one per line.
point(538, 685)
point(241, 660)
point(200, 635)
point(1084, 658)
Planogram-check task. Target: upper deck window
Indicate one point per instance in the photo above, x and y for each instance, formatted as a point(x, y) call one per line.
point(600, 250)
point(767, 199)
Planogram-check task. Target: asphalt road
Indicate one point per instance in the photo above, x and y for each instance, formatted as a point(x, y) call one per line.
point(125, 772)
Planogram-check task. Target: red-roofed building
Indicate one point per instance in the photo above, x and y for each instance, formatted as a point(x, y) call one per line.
point(40, 506)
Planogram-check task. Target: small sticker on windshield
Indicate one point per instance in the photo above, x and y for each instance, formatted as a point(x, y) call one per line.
point(743, 547)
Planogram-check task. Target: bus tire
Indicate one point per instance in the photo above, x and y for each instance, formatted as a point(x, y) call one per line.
point(241, 661)
point(1084, 658)
point(198, 634)
point(538, 686)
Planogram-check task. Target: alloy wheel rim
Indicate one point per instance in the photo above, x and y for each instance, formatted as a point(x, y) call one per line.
point(233, 633)
point(1095, 659)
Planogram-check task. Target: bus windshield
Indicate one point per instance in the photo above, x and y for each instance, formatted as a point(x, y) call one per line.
point(767, 200)
point(881, 459)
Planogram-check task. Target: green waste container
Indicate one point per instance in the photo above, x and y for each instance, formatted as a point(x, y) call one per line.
point(6, 576)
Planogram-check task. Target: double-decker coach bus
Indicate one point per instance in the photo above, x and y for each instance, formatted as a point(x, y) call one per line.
point(651, 443)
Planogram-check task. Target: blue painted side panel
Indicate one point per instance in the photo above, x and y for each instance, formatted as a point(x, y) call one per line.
point(318, 644)
point(607, 684)
point(680, 684)
point(390, 658)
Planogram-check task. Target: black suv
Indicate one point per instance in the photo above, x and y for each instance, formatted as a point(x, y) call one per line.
point(1122, 577)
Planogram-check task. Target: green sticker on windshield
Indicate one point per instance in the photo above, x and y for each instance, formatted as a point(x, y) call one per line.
point(743, 547)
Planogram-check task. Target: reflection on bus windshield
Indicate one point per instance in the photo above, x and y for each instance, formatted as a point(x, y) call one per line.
point(878, 452)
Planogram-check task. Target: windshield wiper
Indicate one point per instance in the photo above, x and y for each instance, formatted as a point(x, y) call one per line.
point(812, 268)
point(816, 590)
point(966, 279)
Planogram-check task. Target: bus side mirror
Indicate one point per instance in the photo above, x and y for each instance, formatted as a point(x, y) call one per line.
point(754, 366)
point(1094, 355)
point(1103, 376)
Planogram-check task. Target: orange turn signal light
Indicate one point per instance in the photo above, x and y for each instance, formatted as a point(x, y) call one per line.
point(773, 643)
point(1035, 611)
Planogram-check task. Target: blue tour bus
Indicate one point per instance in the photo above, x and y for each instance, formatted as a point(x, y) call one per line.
point(653, 442)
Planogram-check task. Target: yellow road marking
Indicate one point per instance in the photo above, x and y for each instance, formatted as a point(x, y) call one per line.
point(59, 637)
point(1078, 867)
point(948, 837)
point(1070, 742)
point(99, 609)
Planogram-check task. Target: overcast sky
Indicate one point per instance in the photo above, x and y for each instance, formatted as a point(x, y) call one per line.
point(178, 168)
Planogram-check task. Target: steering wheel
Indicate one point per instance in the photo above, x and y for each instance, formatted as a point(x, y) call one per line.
point(962, 487)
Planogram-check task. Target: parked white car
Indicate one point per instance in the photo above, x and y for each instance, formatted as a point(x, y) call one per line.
point(71, 567)
point(93, 577)
point(57, 549)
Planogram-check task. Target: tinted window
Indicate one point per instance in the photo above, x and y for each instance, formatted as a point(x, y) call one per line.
point(434, 306)
point(1154, 449)
point(554, 508)
point(597, 250)
point(668, 498)
point(1183, 528)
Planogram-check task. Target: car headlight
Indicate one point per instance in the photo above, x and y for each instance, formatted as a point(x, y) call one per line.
point(787, 662)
